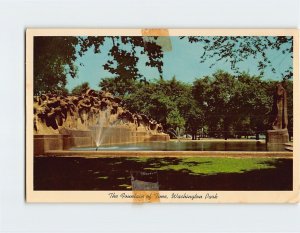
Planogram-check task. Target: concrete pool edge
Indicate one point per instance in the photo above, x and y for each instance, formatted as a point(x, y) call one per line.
point(235, 154)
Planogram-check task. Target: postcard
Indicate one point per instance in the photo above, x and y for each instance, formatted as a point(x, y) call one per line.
point(162, 115)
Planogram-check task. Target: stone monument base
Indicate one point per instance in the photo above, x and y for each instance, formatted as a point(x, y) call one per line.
point(277, 138)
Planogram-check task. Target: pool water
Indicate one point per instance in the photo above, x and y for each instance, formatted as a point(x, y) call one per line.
point(183, 146)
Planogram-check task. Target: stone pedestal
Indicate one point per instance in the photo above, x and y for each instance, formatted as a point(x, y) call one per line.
point(277, 136)
point(276, 139)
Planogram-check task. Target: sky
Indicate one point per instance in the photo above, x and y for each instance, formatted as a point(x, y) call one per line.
point(182, 61)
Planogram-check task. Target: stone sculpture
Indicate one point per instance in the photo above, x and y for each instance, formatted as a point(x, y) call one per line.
point(278, 135)
point(279, 110)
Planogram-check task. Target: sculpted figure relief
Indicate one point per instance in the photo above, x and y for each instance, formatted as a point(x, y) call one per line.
point(52, 112)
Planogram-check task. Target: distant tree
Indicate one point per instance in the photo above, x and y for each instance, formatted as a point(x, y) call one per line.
point(117, 86)
point(194, 118)
point(62, 91)
point(255, 101)
point(167, 101)
point(151, 100)
point(219, 101)
point(78, 90)
point(175, 120)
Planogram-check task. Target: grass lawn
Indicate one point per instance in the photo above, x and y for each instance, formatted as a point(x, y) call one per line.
point(206, 166)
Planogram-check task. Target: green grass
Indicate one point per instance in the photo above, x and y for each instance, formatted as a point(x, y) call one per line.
point(205, 166)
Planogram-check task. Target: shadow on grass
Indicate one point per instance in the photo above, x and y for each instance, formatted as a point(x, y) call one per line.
point(63, 173)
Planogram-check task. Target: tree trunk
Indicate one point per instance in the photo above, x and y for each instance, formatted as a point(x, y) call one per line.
point(225, 129)
point(194, 136)
point(257, 136)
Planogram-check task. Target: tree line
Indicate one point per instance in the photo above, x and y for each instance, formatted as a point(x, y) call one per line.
point(222, 105)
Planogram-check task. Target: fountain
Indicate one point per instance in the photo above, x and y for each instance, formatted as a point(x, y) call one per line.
point(176, 133)
point(104, 126)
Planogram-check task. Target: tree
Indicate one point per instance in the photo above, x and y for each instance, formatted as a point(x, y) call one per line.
point(221, 107)
point(255, 101)
point(150, 99)
point(170, 102)
point(175, 120)
point(54, 58)
point(235, 49)
point(118, 87)
point(194, 118)
point(78, 90)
